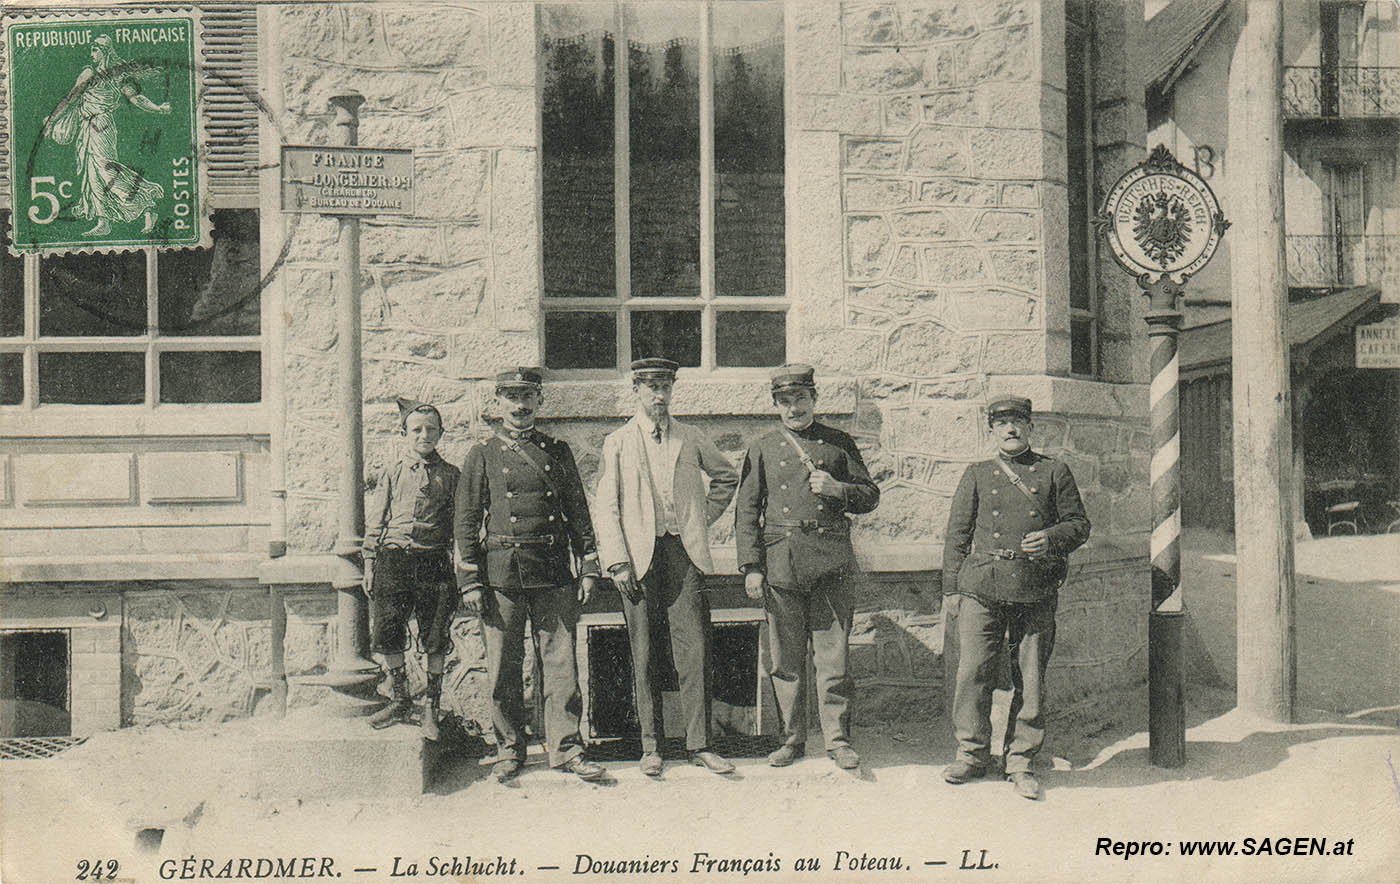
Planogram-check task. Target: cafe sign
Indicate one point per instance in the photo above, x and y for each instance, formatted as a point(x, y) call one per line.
point(1378, 345)
point(347, 180)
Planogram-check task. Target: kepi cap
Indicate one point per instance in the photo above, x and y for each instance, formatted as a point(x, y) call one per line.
point(794, 375)
point(520, 378)
point(1014, 405)
point(654, 368)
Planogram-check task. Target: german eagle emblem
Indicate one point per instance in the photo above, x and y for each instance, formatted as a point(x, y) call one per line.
point(1162, 227)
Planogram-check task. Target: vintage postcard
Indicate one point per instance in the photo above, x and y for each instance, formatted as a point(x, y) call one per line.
point(700, 440)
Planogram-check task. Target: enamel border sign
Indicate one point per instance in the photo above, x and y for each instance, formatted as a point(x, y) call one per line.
point(104, 129)
point(1161, 219)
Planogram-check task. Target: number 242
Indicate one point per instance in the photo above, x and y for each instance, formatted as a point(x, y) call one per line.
point(97, 870)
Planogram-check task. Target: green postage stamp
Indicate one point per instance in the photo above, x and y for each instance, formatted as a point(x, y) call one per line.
point(105, 127)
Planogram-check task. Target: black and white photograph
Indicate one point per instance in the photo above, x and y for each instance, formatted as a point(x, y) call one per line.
point(700, 440)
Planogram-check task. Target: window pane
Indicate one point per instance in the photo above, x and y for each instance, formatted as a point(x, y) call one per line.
point(580, 340)
point(673, 334)
point(750, 337)
point(11, 378)
point(213, 291)
point(92, 295)
point(1081, 346)
point(11, 286)
point(578, 151)
point(664, 92)
point(92, 378)
point(211, 377)
point(748, 90)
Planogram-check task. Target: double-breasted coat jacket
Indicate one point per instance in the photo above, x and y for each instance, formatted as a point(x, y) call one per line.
point(524, 490)
point(784, 529)
point(989, 518)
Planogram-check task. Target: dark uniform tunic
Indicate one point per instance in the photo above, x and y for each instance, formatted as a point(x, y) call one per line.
point(409, 539)
point(521, 520)
point(995, 596)
point(801, 541)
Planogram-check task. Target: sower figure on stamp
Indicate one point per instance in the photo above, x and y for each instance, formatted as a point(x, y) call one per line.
point(794, 544)
point(1014, 521)
point(408, 562)
point(522, 525)
point(654, 514)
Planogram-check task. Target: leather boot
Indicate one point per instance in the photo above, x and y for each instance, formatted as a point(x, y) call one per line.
point(400, 708)
point(430, 707)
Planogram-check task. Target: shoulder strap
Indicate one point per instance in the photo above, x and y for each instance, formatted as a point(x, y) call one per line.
point(527, 455)
point(1017, 481)
point(801, 452)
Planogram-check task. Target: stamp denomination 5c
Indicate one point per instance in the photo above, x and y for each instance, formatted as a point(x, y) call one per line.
point(105, 132)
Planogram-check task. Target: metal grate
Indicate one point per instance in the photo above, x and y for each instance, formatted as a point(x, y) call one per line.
point(36, 747)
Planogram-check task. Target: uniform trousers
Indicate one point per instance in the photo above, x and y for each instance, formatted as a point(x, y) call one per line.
point(671, 626)
point(553, 615)
point(820, 612)
point(976, 633)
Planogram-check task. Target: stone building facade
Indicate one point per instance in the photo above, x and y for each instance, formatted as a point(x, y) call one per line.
point(927, 199)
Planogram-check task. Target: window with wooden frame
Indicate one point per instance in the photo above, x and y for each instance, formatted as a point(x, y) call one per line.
point(150, 328)
point(663, 190)
point(1084, 320)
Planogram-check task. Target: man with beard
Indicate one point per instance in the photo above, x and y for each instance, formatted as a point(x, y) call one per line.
point(521, 524)
point(1013, 523)
point(794, 547)
point(654, 515)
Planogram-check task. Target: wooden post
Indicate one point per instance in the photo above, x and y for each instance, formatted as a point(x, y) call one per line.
point(1263, 452)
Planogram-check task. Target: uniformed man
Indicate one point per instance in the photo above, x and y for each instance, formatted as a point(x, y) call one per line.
point(1014, 520)
point(522, 524)
point(654, 508)
point(794, 547)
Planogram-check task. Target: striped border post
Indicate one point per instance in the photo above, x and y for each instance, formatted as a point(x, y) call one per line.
point(1166, 669)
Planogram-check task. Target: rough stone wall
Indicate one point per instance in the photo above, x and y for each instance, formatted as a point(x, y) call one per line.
point(194, 653)
point(926, 176)
point(449, 294)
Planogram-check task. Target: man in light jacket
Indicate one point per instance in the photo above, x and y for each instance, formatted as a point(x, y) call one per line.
point(653, 514)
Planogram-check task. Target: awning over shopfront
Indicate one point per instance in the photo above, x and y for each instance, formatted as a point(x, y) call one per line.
point(1205, 349)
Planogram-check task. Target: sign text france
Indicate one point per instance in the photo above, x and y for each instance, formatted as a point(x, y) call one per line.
point(104, 132)
point(347, 180)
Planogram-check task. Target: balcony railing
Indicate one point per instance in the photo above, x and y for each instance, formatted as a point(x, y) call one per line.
point(1330, 261)
point(1341, 92)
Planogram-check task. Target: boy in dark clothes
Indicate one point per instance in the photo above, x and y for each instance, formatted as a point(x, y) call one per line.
point(408, 562)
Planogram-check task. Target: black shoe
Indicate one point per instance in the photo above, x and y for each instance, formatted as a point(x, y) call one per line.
point(586, 770)
point(505, 770)
point(785, 755)
point(430, 708)
point(651, 764)
point(960, 772)
point(400, 708)
point(845, 757)
point(711, 761)
point(1025, 783)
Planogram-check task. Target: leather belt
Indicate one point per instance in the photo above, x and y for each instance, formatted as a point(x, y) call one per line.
point(809, 525)
point(1005, 554)
point(510, 541)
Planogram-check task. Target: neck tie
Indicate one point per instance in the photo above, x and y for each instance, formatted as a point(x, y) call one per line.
point(656, 434)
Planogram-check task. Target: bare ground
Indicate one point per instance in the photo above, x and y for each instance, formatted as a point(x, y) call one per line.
point(1332, 775)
